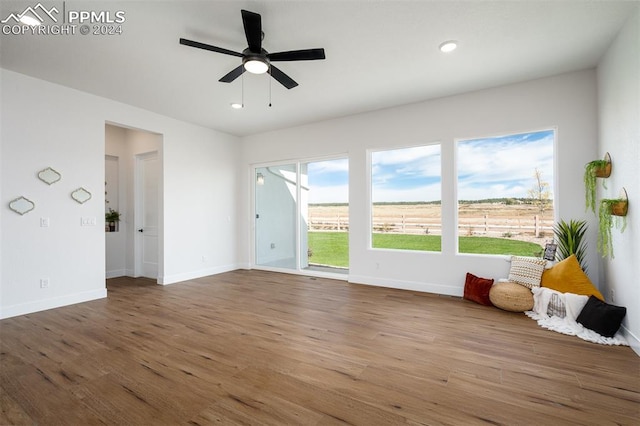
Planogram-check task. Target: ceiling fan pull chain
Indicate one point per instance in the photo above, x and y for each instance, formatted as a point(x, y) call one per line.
point(242, 94)
point(269, 91)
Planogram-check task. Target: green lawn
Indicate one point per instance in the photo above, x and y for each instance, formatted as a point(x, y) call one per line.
point(332, 248)
point(329, 248)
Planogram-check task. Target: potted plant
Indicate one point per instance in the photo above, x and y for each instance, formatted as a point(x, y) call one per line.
point(608, 209)
point(570, 239)
point(593, 170)
point(112, 217)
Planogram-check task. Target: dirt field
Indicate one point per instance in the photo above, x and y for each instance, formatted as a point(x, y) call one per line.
point(487, 219)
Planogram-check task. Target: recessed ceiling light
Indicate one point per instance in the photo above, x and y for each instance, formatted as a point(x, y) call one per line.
point(236, 105)
point(29, 20)
point(448, 46)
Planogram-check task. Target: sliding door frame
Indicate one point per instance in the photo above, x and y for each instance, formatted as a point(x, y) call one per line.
point(253, 225)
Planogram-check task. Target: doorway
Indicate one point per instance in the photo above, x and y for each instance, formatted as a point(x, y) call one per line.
point(133, 185)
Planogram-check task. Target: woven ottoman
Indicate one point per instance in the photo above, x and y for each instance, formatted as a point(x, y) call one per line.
point(511, 296)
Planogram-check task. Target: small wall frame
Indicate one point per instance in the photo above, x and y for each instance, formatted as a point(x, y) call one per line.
point(22, 205)
point(49, 176)
point(81, 195)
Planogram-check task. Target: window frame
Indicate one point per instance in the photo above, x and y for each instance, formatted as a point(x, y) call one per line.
point(456, 158)
point(369, 170)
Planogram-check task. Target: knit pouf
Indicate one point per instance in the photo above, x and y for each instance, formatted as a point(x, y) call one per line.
point(511, 297)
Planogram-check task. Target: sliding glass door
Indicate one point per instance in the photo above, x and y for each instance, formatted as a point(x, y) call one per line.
point(276, 192)
point(301, 216)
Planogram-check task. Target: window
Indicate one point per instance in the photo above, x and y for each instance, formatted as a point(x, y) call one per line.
point(505, 193)
point(328, 222)
point(405, 195)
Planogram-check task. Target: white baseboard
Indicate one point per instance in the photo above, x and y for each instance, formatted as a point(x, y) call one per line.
point(56, 302)
point(633, 340)
point(408, 285)
point(176, 278)
point(116, 273)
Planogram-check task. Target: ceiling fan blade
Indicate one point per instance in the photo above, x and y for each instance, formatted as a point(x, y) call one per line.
point(233, 74)
point(204, 46)
point(253, 30)
point(282, 78)
point(297, 55)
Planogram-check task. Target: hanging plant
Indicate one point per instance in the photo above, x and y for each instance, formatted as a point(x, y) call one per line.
point(570, 239)
point(608, 209)
point(593, 170)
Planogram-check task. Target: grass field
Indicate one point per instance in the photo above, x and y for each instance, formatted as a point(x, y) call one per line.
point(332, 248)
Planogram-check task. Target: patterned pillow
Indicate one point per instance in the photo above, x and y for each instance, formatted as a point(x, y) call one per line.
point(526, 271)
point(556, 306)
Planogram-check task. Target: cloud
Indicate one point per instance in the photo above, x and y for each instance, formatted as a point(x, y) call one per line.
point(503, 166)
point(405, 173)
point(329, 166)
point(329, 194)
point(410, 194)
point(487, 168)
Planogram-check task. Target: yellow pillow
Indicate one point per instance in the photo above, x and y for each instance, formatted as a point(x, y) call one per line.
point(567, 277)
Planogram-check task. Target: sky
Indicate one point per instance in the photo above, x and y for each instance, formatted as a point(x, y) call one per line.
point(504, 166)
point(494, 167)
point(329, 181)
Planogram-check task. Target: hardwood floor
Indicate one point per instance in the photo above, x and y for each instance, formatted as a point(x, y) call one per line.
point(252, 347)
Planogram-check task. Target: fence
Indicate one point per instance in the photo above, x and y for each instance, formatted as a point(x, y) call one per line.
point(403, 224)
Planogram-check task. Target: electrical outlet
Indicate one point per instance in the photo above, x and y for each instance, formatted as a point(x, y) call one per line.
point(44, 222)
point(44, 282)
point(612, 295)
point(273, 245)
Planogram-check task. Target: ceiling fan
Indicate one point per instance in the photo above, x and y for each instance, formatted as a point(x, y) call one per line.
point(255, 59)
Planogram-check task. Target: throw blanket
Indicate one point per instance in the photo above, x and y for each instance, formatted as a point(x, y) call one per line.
point(567, 325)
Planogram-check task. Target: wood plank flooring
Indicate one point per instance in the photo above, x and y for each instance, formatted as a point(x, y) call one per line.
point(253, 347)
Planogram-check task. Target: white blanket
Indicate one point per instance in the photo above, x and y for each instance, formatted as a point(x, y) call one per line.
point(567, 325)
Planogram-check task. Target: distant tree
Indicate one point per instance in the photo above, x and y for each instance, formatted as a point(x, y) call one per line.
point(539, 194)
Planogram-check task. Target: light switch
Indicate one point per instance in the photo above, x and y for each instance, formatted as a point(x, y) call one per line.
point(44, 222)
point(88, 221)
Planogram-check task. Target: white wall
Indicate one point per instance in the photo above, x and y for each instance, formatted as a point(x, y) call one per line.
point(567, 102)
point(44, 124)
point(619, 117)
point(115, 247)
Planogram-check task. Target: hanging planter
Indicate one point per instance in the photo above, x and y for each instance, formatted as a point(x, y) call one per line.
point(610, 211)
point(593, 170)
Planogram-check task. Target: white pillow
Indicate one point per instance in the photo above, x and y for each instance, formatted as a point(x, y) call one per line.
point(526, 271)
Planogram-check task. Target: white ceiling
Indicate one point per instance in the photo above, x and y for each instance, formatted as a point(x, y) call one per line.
point(379, 54)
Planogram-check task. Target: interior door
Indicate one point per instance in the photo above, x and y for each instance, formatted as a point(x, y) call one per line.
point(147, 208)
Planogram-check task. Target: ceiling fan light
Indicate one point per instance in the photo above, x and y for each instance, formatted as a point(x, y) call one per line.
point(448, 46)
point(256, 66)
